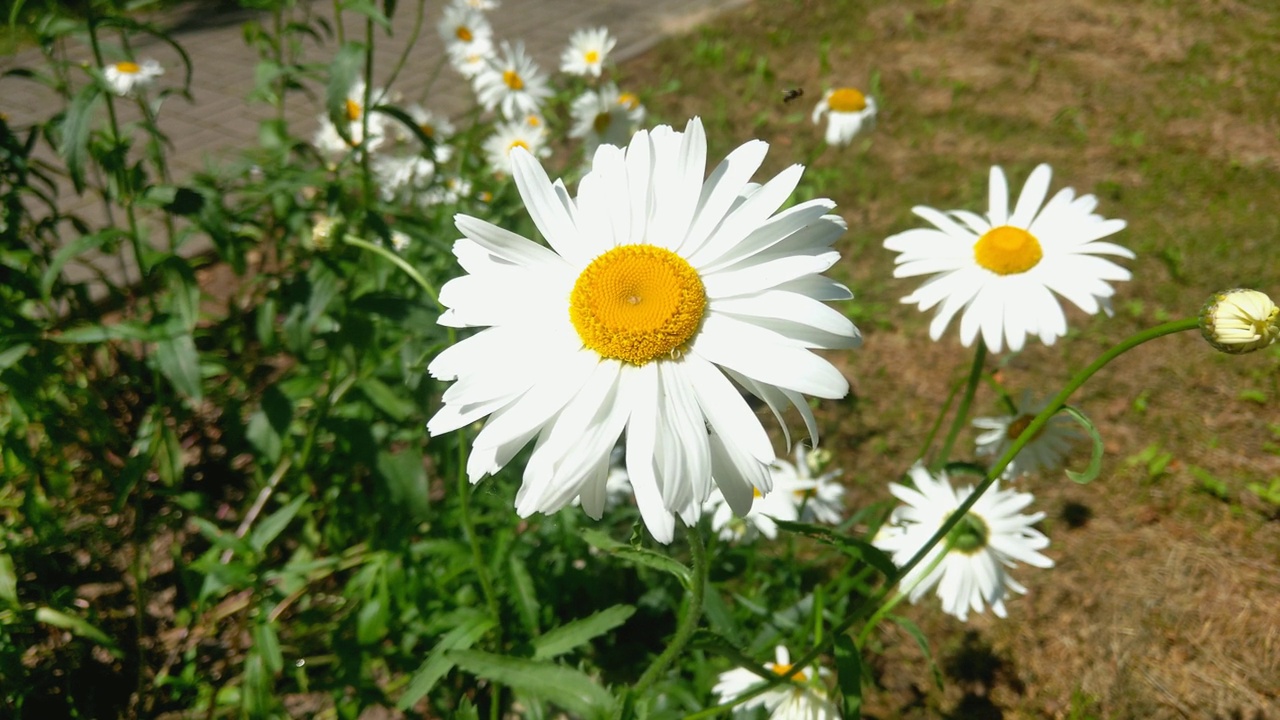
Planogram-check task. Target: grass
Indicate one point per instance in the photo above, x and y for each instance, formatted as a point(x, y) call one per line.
point(1165, 587)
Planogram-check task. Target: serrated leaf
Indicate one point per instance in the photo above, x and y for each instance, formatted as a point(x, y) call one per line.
point(579, 632)
point(638, 556)
point(77, 626)
point(1095, 457)
point(180, 363)
point(571, 690)
point(469, 627)
point(849, 676)
point(523, 594)
point(855, 547)
point(272, 525)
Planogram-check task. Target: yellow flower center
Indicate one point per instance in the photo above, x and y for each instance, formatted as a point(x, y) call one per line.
point(1019, 425)
point(353, 110)
point(128, 68)
point(517, 143)
point(464, 33)
point(755, 493)
point(847, 100)
point(533, 121)
point(637, 303)
point(428, 129)
point(591, 56)
point(629, 101)
point(601, 123)
point(512, 79)
point(780, 669)
point(1007, 250)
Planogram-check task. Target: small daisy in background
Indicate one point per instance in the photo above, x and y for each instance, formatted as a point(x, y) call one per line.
point(510, 135)
point(470, 60)
point(848, 112)
point(449, 191)
point(659, 287)
point(463, 26)
point(796, 495)
point(329, 141)
point(1043, 453)
point(399, 241)
point(481, 5)
point(436, 128)
point(605, 117)
point(587, 51)
point(1240, 321)
point(124, 77)
point(805, 697)
point(401, 179)
point(513, 83)
point(1002, 270)
point(972, 562)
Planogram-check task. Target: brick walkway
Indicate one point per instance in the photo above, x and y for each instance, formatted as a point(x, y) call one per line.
point(220, 120)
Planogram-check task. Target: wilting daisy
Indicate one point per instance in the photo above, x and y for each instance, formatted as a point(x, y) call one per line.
point(465, 26)
point(848, 111)
point(512, 82)
point(659, 291)
point(796, 495)
point(587, 51)
point(1044, 452)
point(1002, 270)
point(1240, 321)
point(975, 556)
point(126, 76)
point(605, 116)
point(804, 697)
point(508, 136)
point(328, 140)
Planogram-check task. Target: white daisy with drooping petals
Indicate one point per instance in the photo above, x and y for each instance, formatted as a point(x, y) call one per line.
point(1044, 452)
point(978, 552)
point(126, 76)
point(1002, 270)
point(848, 112)
point(587, 51)
point(605, 116)
point(512, 82)
point(805, 697)
point(660, 290)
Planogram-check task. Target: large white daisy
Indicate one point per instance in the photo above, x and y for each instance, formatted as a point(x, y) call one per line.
point(1002, 270)
point(978, 552)
point(659, 291)
point(512, 82)
point(1044, 452)
point(804, 698)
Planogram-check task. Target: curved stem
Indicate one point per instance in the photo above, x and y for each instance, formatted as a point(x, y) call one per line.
point(399, 262)
point(962, 411)
point(688, 623)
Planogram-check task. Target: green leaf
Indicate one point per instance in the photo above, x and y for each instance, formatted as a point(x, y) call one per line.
point(523, 594)
point(11, 355)
point(637, 556)
point(275, 523)
point(8, 580)
point(369, 10)
point(387, 400)
point(572, 690)
point(77, 626)
point(184, 291)
point(1095, 459)
point(89, 334)
point(71, 250)
point(469, 627)
point(180, 363)
point(407, 481)
point(75, 131)
point(269, 423)
point(267, 642)
point(914, 631)
point(579, 632)
point(371, 623)
point(849, 676)
point(854, 547)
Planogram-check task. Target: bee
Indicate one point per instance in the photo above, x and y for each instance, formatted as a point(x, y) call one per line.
point(792, 94)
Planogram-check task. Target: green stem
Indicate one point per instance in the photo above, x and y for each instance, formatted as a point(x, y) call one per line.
point(688, 624)
point(993, 474)
point(478, 561)
point(399, 262)
point(962, 411)
point(409, 45)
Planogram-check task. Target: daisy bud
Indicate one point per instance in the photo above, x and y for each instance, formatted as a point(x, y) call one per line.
point(1240, 321)
point(324, 232)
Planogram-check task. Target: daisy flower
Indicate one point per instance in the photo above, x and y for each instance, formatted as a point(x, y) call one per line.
point(1240, 321)
point(796, 495)
point(1002, 270)
point(124, 77)
point(328, 140)
point(605, 117)
point(1044, 452)
point(465, 26)
point(804, 698)
point(659, 291)
point(482, 5)
point(400, 241)
point(437, 128)
point(508, 136)
point(587, 51)
point(970, 566)
point(470, 60)
point(448, 192)
point(512, 82)
point(848, 111)
point(400, 179)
